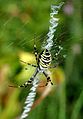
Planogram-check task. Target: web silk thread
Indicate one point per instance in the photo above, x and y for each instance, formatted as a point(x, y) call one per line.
point(30, 99)
point(53, 25)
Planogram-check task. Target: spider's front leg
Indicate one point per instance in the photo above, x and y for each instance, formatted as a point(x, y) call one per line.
point(28, 63)
point(48, 78)
point(35, 52)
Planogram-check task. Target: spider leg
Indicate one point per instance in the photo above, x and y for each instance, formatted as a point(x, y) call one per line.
point(50, 67)
point(48, 78)
point(29, 82)
point(28, 63)
point(35, 52)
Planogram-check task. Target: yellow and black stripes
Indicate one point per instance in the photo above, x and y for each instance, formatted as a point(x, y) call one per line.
point(43, 62)
point(44, 59)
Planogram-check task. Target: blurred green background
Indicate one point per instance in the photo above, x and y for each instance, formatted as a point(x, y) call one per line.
point(20, 21)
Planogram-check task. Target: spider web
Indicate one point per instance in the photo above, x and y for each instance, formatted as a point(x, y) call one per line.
point(15, 30)
point(16, 33)
point(15, 38)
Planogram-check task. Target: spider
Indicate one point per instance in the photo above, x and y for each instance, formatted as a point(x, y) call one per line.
point(43, 61)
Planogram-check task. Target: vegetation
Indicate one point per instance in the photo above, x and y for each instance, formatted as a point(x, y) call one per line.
point(20, 21)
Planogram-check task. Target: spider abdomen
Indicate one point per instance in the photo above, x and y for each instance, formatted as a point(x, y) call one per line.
point(44, 59)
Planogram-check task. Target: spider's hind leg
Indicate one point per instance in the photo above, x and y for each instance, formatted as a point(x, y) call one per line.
point(48, 78)
point(29, 82)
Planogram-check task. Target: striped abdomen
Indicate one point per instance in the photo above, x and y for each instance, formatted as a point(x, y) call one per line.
point(44, 59)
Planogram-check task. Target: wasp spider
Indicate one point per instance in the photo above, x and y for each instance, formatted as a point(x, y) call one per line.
point(43, 61)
